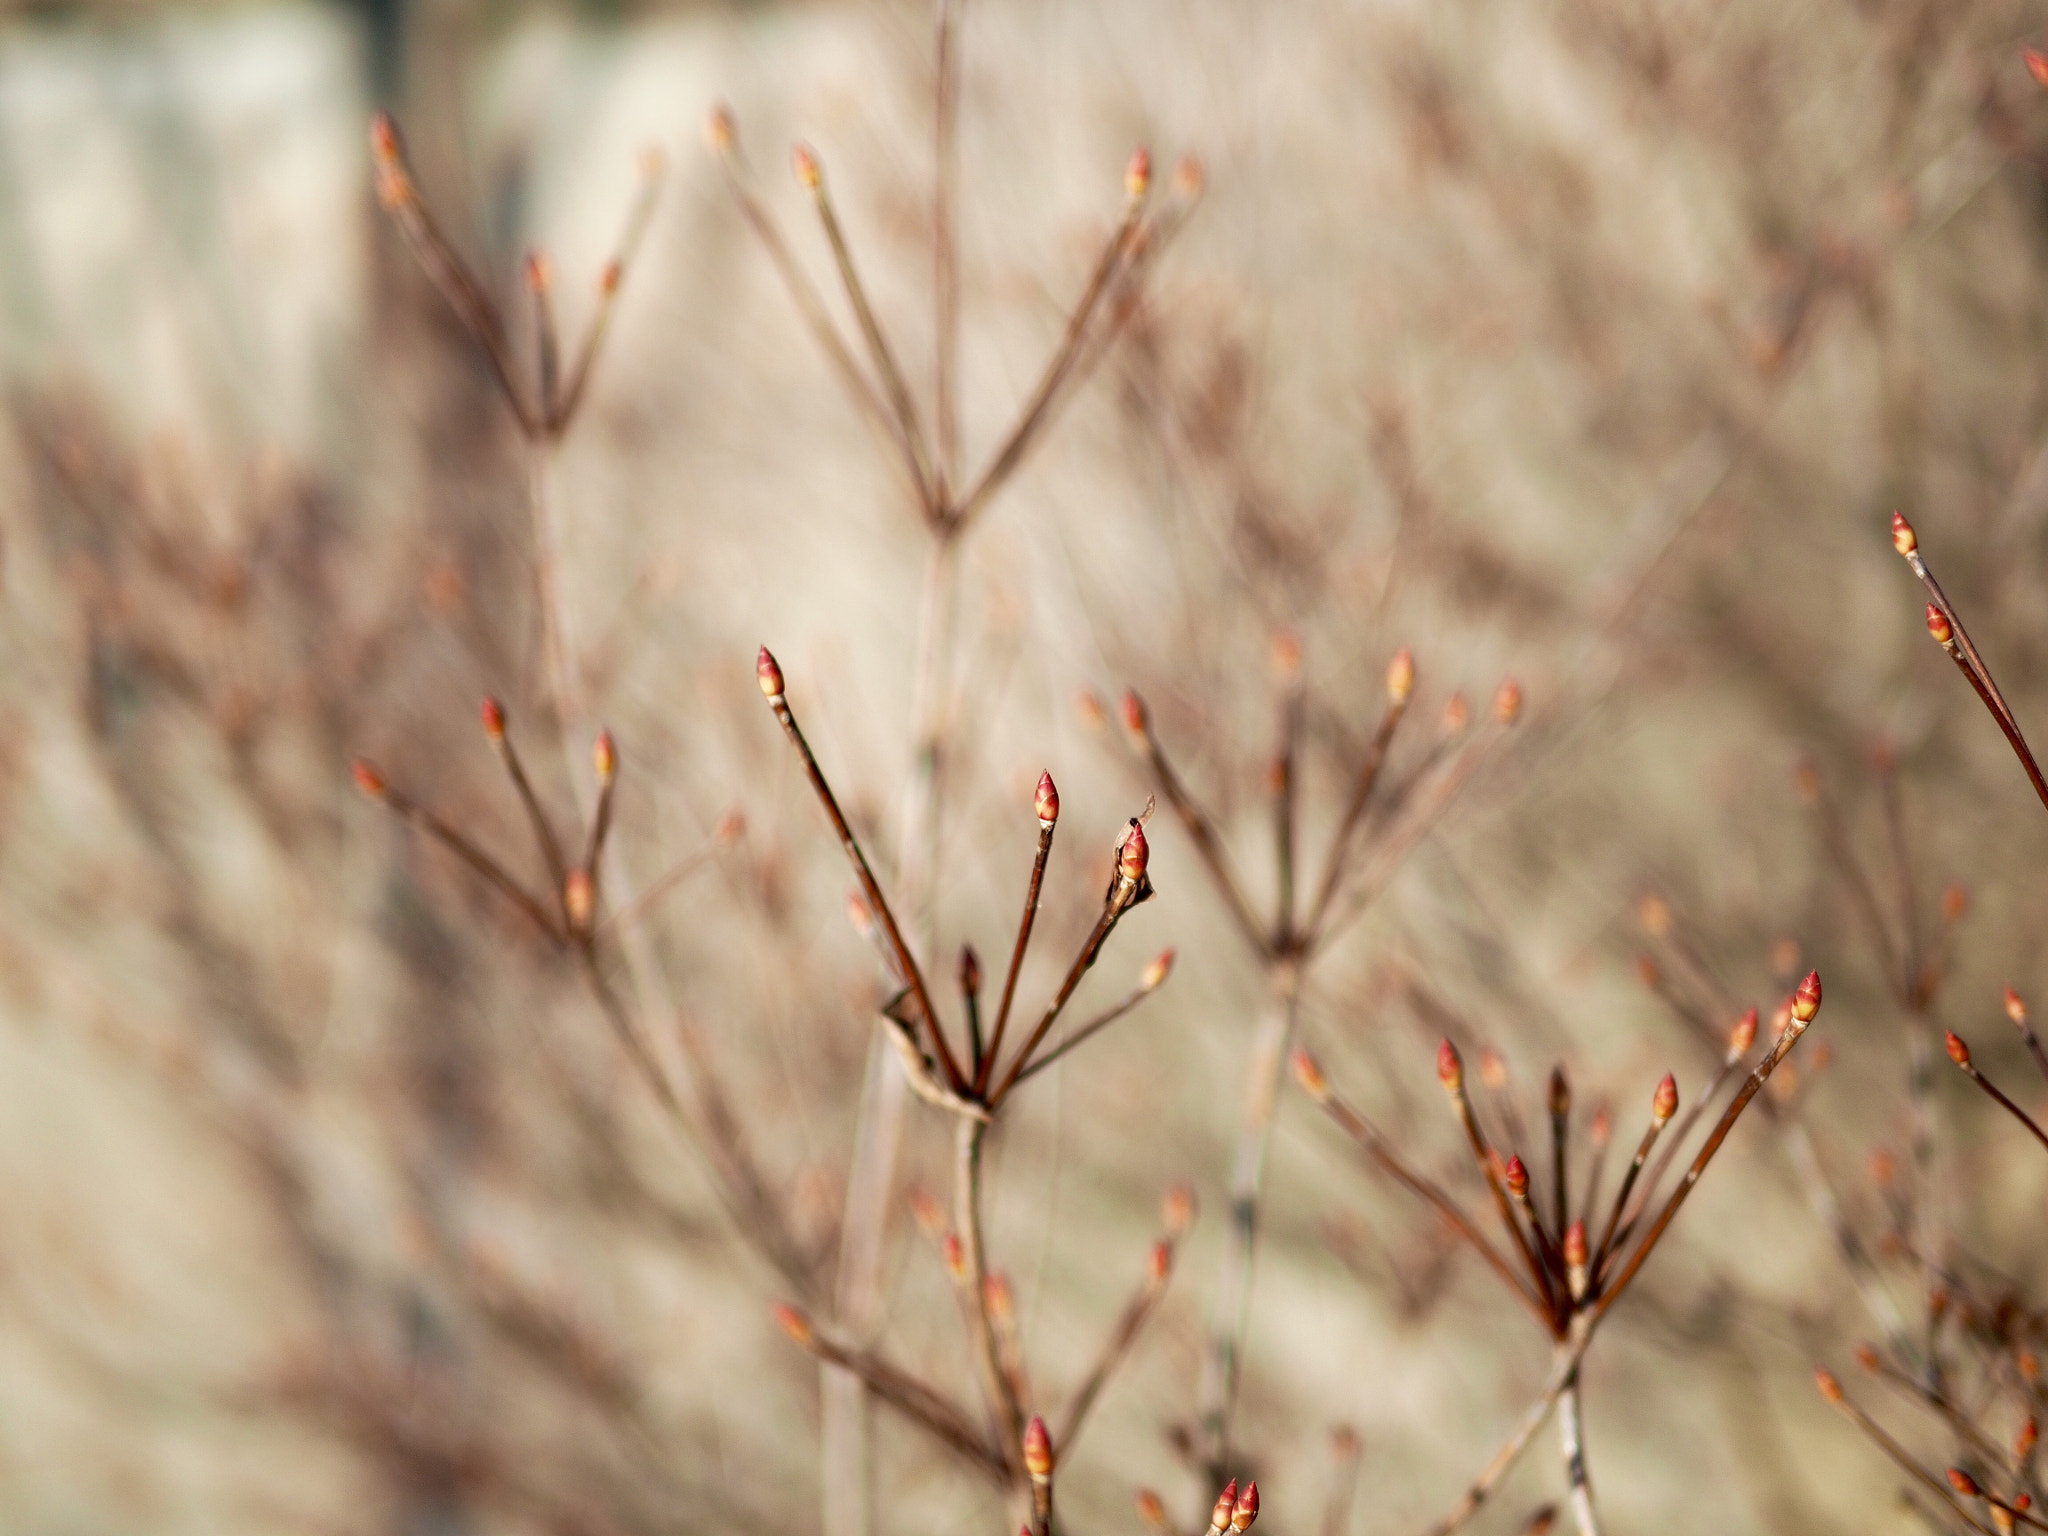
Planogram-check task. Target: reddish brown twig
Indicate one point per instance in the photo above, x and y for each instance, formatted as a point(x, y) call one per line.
point(1959, 1053)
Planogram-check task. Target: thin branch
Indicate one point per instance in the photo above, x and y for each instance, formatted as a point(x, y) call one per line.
point(1024, 925)
point(1158, 1269)
point(653, 169)
point(1400, 685)
point(1194, 821)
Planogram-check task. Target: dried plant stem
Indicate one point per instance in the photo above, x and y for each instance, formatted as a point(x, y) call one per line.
point(1024, 926)
point(1461, 1105)
point(1628, 1183)
point(1376, 1146)
point(946, 250)
point(924, 1405)
point(492, 873)
point(1004, 1407)
point(1231, 1316)
point(1571, 1435)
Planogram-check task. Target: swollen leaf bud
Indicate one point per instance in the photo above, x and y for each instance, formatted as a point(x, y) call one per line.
point(1157, 972)
point(1160, 1264)
point(1137, 722)
point(1939, 626)
point(954, 1252)
point(494, 718)
point(769, 675)
point(1507, 701)
point(1401, 676)
point(718, 129)
point(1152, 1510)
point(1830, 1388)
point(794, 1323)
point(1958, 1052)
point(1575, 1244)
point(2037, 65)
point(1806, 1000)
point(1903, 538)
point(1517, 1177)
point(1133, 854)
point(1037, 1450)
point(1226, 1506)
point(1962, 1482)
point(1450, 1070)
point(1309, 1073)
point(604, 757)
point(1047, 801)
point(804, 161)
point(2015, 1008)
point(1137, 173)
point(579, 899)
point(1664, 1102)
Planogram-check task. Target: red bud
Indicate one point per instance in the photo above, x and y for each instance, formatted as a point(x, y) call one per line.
point(2015, 1007)
point(368, 779)
point(1575, 1244)
point(1047, 801)
point(1903, 538)
point(1247, 1509)
point(494, 718)
point(1517, 1177)
point(1134, 854)
point(1806, 1001)
point(1401, 676)
point(1664, 1102)
point(1958, 1052)
point(1137, 173)
point(2037, 65)
point(1037, 1450)
point(604, 756)
point(1226, 1506)
point(804, 162)
point(1938, 625)
point(768, 674)
point(1137, 721)
point(794, 1323)
point(1830, 1388)
point(1962, 1482)
point(1450, 1071)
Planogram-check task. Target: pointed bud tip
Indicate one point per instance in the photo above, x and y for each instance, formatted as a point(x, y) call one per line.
point(970, 969)
point(1560, 1091)
point(1160, 1263)
point(1830, 1388)
point(1136, 720)
point(604, 757)
point(719, 129)
point(1939, 626)
point(1401, 676)
point(1575, 1243)
point(368, 779)
point(1138, 173)
point(1867, 1357)
point(1133, 853)
point(1806, 1001)
point(768, 674)
point(1047, 801)
point(1037, 1449)
point(494, 718)
point(1226, 1506)
point(804, 162)
point(1155, 974)
point(2037, 65)
point(540, 273)
point(793, 1323)
point(1664, 1102)
point(2015, 1007)
point(1958, 1052)
point(1517, 1176)
point(1246, 1509)
point(579, 899)
point(1903, 538)
point(1450, 1069)
point(1309, 1073)
point(1962, 1482)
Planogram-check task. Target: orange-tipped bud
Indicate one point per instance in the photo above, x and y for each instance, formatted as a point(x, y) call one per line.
point(368, 779)
point(1457, 714)
point(1962, 1482)
point(1830, 1388)
point(1137, 173)
point(579, 899)
point(1047, 801)
point(1179, 1211)
point(384, 144)
point(1152, 1510)
point(2023, 1442)
point(2015, 1007)
point(1903, 538)
point(1309, 1073)
point(1560, 1091)
point(1137, 722)
point(954, 1252)
point(1134, 854)
point(1401, 676)
point(1517, 1177)
point(394, 184)
point(732, 826)
point(794, 1323)
point(2037, 65)
point(1806, 1000)
point(1939, 626)
point(1575, 1244)
point(2030, 1366)
point(1246, 1510)
point(804, 162)
point(1867, 1357)
point(1154, 975)
point(1450, 1069)
point(1160, 1264)
point(1664, 1102)
point(540, 272)
point(1226, 1506)
point(1958, 1052)
point(494, 718)
point(970, 970)
point(1037, 1450)
point(768, 674)
point(604, 757)
point(1507, 701)
point(718, 129)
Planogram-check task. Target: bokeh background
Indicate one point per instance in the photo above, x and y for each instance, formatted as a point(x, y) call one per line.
point(1590, 343)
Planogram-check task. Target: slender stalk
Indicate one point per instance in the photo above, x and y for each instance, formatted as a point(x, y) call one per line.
point(653, 169)
point(1118, 1344)
point(1571, 1435)
point(1354, 809)
point(946, 253)
point(1024, 925)
point(923, 1405)
point(1088, 1031)
point(1194, 821)
point(1003, 1405)
point(1118, 903)
point(1832, 1391)
point(1960, 1055)
point(1232, 1308)
point(493, 873)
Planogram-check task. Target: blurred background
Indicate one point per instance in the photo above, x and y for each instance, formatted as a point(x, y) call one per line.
point(1587, 343)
